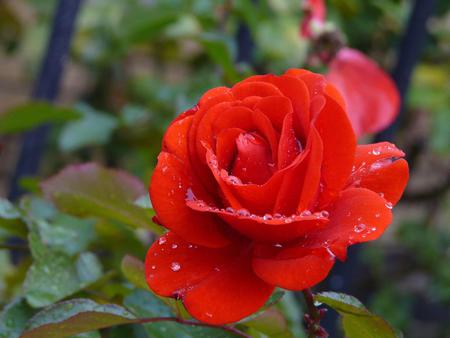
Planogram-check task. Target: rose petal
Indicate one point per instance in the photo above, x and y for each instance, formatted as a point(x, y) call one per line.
point(245, 89)
point(226, 146)
point(339, 146)
point(175, 138)
point(217, 286)
point(289, 147)
point(295, 191)
point(357, 215)
point(275, 108)
point(168, 190)
point(297, 92)
point(293, 268)
point(252, 163)
point(378, 168)
point(371, 96)
point(267, 228)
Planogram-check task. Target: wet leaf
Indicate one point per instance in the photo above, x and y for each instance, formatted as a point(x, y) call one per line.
point(357, 321)
point(13, 318)
point(55, 275)
point(145, 304)
point(73, 317)
point(134, 271)
point(91, 190)
point(10, 219)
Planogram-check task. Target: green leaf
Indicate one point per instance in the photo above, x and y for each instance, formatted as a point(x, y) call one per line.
point(270, 323)
point(358, 322)
point(145, 304)
point(55, 275)
point(92, 334)
point(30, 115)
point(58, 231)
point(90, 190)
point(147, 24)
point(10, 219)
point(66, 233)
point(94, 128)
point(134, 271)
point(75, 316)
point(14, 317)
point(219, 50)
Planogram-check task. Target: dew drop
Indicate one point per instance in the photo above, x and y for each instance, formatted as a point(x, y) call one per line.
point(207, 314)
point(306, 213)
point(359, 227)
point(175, 266)
point(377, 215)
point(243, 212)
point(267, 217)
point(277, 216)
point(376, 151)
point(234, 180)
point(389, 205)
point(278, 245)
point(162, 240)
point(324, 213)
point(229, 210)
point(153, 267)
point(174, 246)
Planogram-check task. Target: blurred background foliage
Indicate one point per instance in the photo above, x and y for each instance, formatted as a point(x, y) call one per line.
point(134, 66)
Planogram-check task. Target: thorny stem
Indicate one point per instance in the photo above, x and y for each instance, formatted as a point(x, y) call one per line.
point(313, 317)
point(193, 323)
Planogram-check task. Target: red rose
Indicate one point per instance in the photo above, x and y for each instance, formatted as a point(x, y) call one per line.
point(261, 186)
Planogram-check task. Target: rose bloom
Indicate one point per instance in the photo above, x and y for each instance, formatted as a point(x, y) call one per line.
point(262, 185)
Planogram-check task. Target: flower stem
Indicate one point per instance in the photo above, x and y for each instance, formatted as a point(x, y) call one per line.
point(192, 323)
point(313, 317)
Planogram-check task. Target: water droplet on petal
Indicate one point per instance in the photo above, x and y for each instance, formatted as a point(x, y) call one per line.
point(174, 246)
point(278, 245)
point(277, 216)
point(359, 228)
point(376, 152)
point(325, 213)
point(153, 267)
point(377, 215)
point(306, 213)
point(267, 217)
point(243, 212)
point(162, 240)
point(389, 205)
point(229, 210)
point(175, 266)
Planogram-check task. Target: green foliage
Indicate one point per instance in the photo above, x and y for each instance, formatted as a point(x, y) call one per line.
point(90, 190)
point(14, 317)
point(55, 275)
point(31, 115)
point(138, 64)
point(357, 321)
point(73, 317)
point(93, 128)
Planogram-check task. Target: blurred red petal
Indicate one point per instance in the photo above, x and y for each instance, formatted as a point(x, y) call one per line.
point(217, 286)
point(371, 97)
point(314, 13)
